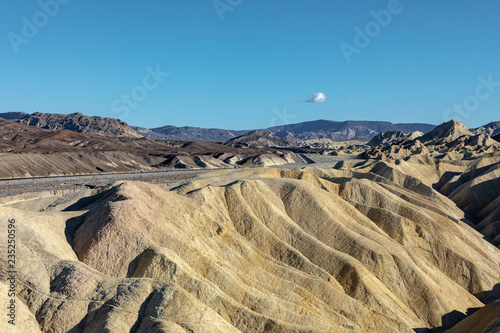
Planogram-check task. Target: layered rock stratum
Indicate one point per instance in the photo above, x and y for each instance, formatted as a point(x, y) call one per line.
point(378, 246)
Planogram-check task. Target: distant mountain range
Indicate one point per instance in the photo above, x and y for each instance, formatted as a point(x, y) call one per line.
point(310, 130)
point(344, 130)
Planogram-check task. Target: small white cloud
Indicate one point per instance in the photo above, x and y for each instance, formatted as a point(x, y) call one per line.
point(317, 98)
point(351, 100)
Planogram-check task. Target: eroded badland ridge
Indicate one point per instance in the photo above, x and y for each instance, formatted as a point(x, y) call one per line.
point(402, 236)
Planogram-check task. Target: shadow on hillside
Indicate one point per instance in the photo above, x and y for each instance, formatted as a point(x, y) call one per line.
point(445, 178)
point(72, 224)
point(84, 203)
point(452, 318)
point(447, 321)
point(87, 201)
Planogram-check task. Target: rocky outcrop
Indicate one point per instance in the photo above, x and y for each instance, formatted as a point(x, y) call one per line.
point(78, 122)
point(491, 129)
point(318, 144)
point(9, 126)
point(390, 137)
point(396, 149)
point(450, 130)
point(386, 138)
point(449, 140)
point(257, 139)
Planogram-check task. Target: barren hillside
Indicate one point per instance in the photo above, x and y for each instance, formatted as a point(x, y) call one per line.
point(29, 151)
point(375, 247)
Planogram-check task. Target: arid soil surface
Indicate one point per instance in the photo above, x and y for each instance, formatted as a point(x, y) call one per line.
point(347, 246)
point(19, 186)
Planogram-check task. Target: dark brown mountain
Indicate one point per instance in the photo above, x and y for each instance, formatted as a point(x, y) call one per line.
point(80, 123)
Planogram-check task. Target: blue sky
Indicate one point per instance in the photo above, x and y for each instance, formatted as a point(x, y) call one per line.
point(421, 61)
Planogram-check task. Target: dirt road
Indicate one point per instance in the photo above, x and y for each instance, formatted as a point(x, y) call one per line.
point(10, 187)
